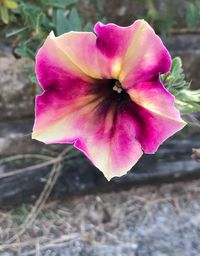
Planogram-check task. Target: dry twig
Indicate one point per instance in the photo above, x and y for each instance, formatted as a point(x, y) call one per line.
point(53, 176)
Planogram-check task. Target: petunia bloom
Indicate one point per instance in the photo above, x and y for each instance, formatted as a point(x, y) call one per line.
point(102, 92)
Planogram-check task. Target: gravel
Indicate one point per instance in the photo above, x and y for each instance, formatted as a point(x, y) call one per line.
point(143, 221)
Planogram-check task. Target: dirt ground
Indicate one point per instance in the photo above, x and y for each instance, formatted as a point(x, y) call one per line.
point(143, 221)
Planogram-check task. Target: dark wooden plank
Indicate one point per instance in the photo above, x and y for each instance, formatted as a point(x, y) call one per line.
point(172, 162)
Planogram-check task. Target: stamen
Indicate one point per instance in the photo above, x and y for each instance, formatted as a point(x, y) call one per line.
point(117, 87)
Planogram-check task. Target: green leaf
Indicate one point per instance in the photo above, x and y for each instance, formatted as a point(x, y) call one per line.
point(152, 12)
point(70, 2)
point(75, 20)
point(193, 14)
point(10, 4)
point(176, 65)
point(24, 51)
point(88, 27)
point(31, 12)
point(4, 14)
point(33, 79)
point(186, 100)
point(61, 22)
point(62, 4)
point(175, 79)
point(189, 95)
point(187, 107)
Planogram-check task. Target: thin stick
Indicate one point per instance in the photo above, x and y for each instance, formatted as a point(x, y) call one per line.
point(29, 168)
point(53, 176)
point(17, 157)
point(185, 30)
point(43, 241)
point(39, 203)
point(36, 166)
point(59, 242)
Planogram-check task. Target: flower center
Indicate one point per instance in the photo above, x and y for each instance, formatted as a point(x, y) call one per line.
point(117, 87)
point(118, 93)
point(111, 90)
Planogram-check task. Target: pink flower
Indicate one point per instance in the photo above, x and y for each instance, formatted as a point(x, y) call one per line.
point(102, 92)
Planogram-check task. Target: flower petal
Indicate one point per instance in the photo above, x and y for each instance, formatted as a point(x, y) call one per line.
point(106, 138)
point(58, 114)
point(157, 117)
point(113, 41)
point(54, 68)
point(136, 52)
point(66, 88)
point(111, 146)
point(145, 58)
point(81, 49)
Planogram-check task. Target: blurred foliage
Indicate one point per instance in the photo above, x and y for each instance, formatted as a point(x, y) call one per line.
point(5, 5)
point(164, 22)
point(32, 21)
point(193, 14)
point(29, 22)
point(164, 16)
point(161, 21)
point(186, 100)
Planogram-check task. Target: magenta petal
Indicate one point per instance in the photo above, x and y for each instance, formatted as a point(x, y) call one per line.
point(105, 133)
point(54, 114)
point(65, 90)
point(82, 50)
point(113, 40)
point(136, 52)
point(156, 116)
point(111, 145)
point(54, 68)
point(146, 57)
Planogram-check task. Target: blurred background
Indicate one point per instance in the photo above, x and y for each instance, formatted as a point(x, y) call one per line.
point(52, 200)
